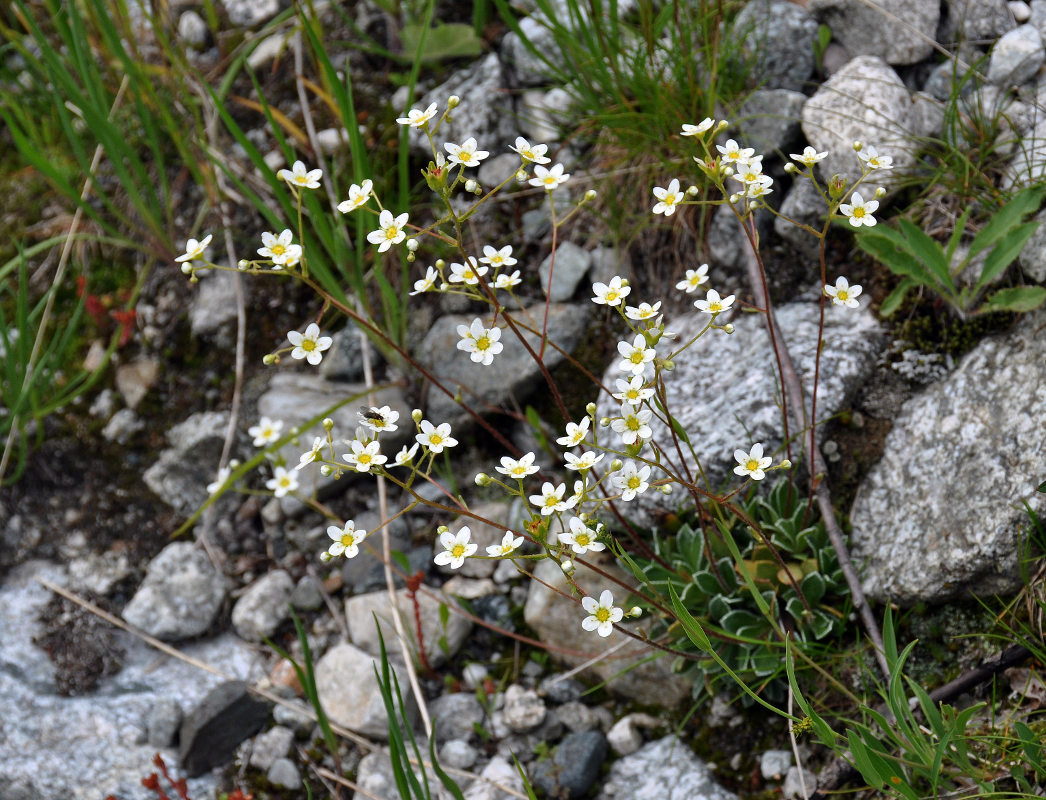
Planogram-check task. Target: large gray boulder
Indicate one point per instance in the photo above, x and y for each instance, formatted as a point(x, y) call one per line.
point(180, 475)
point(897, 31)
point(942, 513)
point(662, 770)
point(778, 37)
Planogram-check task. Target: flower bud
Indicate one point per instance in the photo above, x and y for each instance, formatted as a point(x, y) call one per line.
point(604, 422)
point(665, 489)
point(880, 192)
point(858, 146)
point(471, 186)
point(722, 125)
point(453, 101)
point(328, 424)
point(734, 198)
point(325, 557)
point(482, 479)
point(440, 264)
point(692, 191)
point(412, 244)
point(785, 464)
point(326, 470)
point(243, 263)
point(791, 168)
point(442, 529)
point(269, 359)
point(635, 611)
point(727, 171)
point(615, 465)
point(416, 415)
point(590, 195)
point(521, 175)
point(567, 567)
point(728, 328)
point(590, 409)
point(187, 268)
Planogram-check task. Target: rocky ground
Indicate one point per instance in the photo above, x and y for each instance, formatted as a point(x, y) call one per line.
point(910, 432)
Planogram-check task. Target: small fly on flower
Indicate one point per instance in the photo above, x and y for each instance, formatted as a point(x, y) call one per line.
point(370, 413)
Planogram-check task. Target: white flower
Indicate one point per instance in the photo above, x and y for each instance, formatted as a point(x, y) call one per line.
point(456, 548)
point(632, 480)
point(873, 160)
point(518, 468)
point(498, 258)
point(643, 311)
point(694, 278)
point(634, 425)
point(531, 152)
point(581, 538)
point(843, 294)
point(859, 211)
point(266, 431)
point(194, 249)
point(635, 356)
point(279, 248)
point(750, 171)
point(732, 152)
point(358, 197)
point(221, 479)
point(312, 454)
point(435, 437)
point(509, 544)
point(482, 344)
point(752, 463)
point(576, 433)
point(426, 283)
point(416, 118)
point(713, 303)
point(504, 281)
point(380, 419)
point(698, 129)
point(364, 456)
point(468, 274)
point(760, 188)
point(549, 178)
point(667, 198)
point(309, 345)
point(551, 499)
point(586, 460)
point(466, 153)
point(809, 156)
point(633, 391)
point(602, 615)
point(347, 539)
point(282, 482)
point(301, 177)
point(610, 294)
point(405, 455)
point(391, 231)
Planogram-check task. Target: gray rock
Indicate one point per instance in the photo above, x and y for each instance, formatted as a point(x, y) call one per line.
point(295, 716)
point(531, 69)
point(1038, 15)
point(774, 764)
point(213, 307)
point(662, 770)
point(482, 535)
point(976, 21)
point(556, 618)
point(211, 732)
point(469, 588)
point(560, 690)
point(567, 266)
point(134, 379)
point(365, 572)
point(192, 29)
point(778, 37)
point(498, 772)
point(473, 674)
point(577, 717)
point(267, 747)
point(513, 375)
point(1033, 256)
point(306, 595)
point(523, 710)
point(284, 774)
point(441, 642)
point(456, 716)
point(864, 101)
point(726, 241)
point(1016, 57)
point(542, 117)
point(804, 204)
point(162, 725)
point(344, 360)
point(985, 422)
point(180, 596)
point(897, 31)
point(608, 262)
point(349, 691)
point(1020, 10)
point(261, 609)
point(624, 737)
point(177, 477)
point(457, 753)
point(793, 787)
point(768, 120)
point(574, 766)
point(419, 559)
point(376, 777)
point(943, 78)
point(98, 572)
point(248, 13)
point(497, 169)
point(122, 426)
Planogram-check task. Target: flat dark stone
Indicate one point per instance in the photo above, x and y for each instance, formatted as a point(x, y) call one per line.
point(574, 767)
point(210, 733)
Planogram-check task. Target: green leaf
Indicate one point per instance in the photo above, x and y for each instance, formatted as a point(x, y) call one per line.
point(890, 248)
point(737, 620)
point(896, 297)
point(927, 251)
point(1007, 218)
point(1042, 486)
point(446, 40)
point(1020, 299)
point(1005, 252)
point(813, 588)
point(956, 237)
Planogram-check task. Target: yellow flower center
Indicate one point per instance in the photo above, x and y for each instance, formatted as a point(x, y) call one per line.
point(634, 482)
point(583, 539)
point(308, 345)
point(435, 439)
point(602, 614)
point(301, 180)
point(348, 540)
point(458, 550)
point(364, 458)
point(284, 481)
point(715, 307)
point(843, 295)
point(636, 357)
point(277, 250)
point(483, 342)
point(858, 212)
point(612, 295)
point(751, 465)
point(392, 232)
point(670, 199)
point(633, 423)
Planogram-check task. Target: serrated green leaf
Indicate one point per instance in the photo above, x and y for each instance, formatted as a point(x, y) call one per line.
point(1020, 299)
point(1008, 248)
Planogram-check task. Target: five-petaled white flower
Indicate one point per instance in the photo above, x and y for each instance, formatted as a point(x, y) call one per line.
point(752, 463)
point(456, 548)
point(713, 303)
point(509, 544)
point(699, 128)
point(632, 480)
point(498, 258)
point(751, 171)
point(643, 311)
point(435, 437)
point(391, 231)
point(469, 273)
point(635, 356)
point(531, 152)
point(551, 499)
point(843, 294)
point(426, 283)
point(347, 539)
point(482, 344)
point(873, 160)
point(633, 391)
point(859, 211)
point(602, 614)
point(380, 419)
point(281, 482)
point(358, 197)
point(405, 455)
point(667, 199)
point(581, 538)
point(309, 345)
point(416, 118)
point(549, 178)
point(279, 248)
point(733, 152)
point(610, 294)
point(634, 425)
point(311, 454)
point(576, 433)
point(506, 281)
point(759, 188)
point(194, 249)
point(266, 431)
point(586, 460)
point(466, 153)
point(809, 156)
point(364, 456)
point(518, 468)
point(694, 278)
point(301, 177)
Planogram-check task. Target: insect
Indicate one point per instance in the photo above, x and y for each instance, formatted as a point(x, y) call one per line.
point(372, 414)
